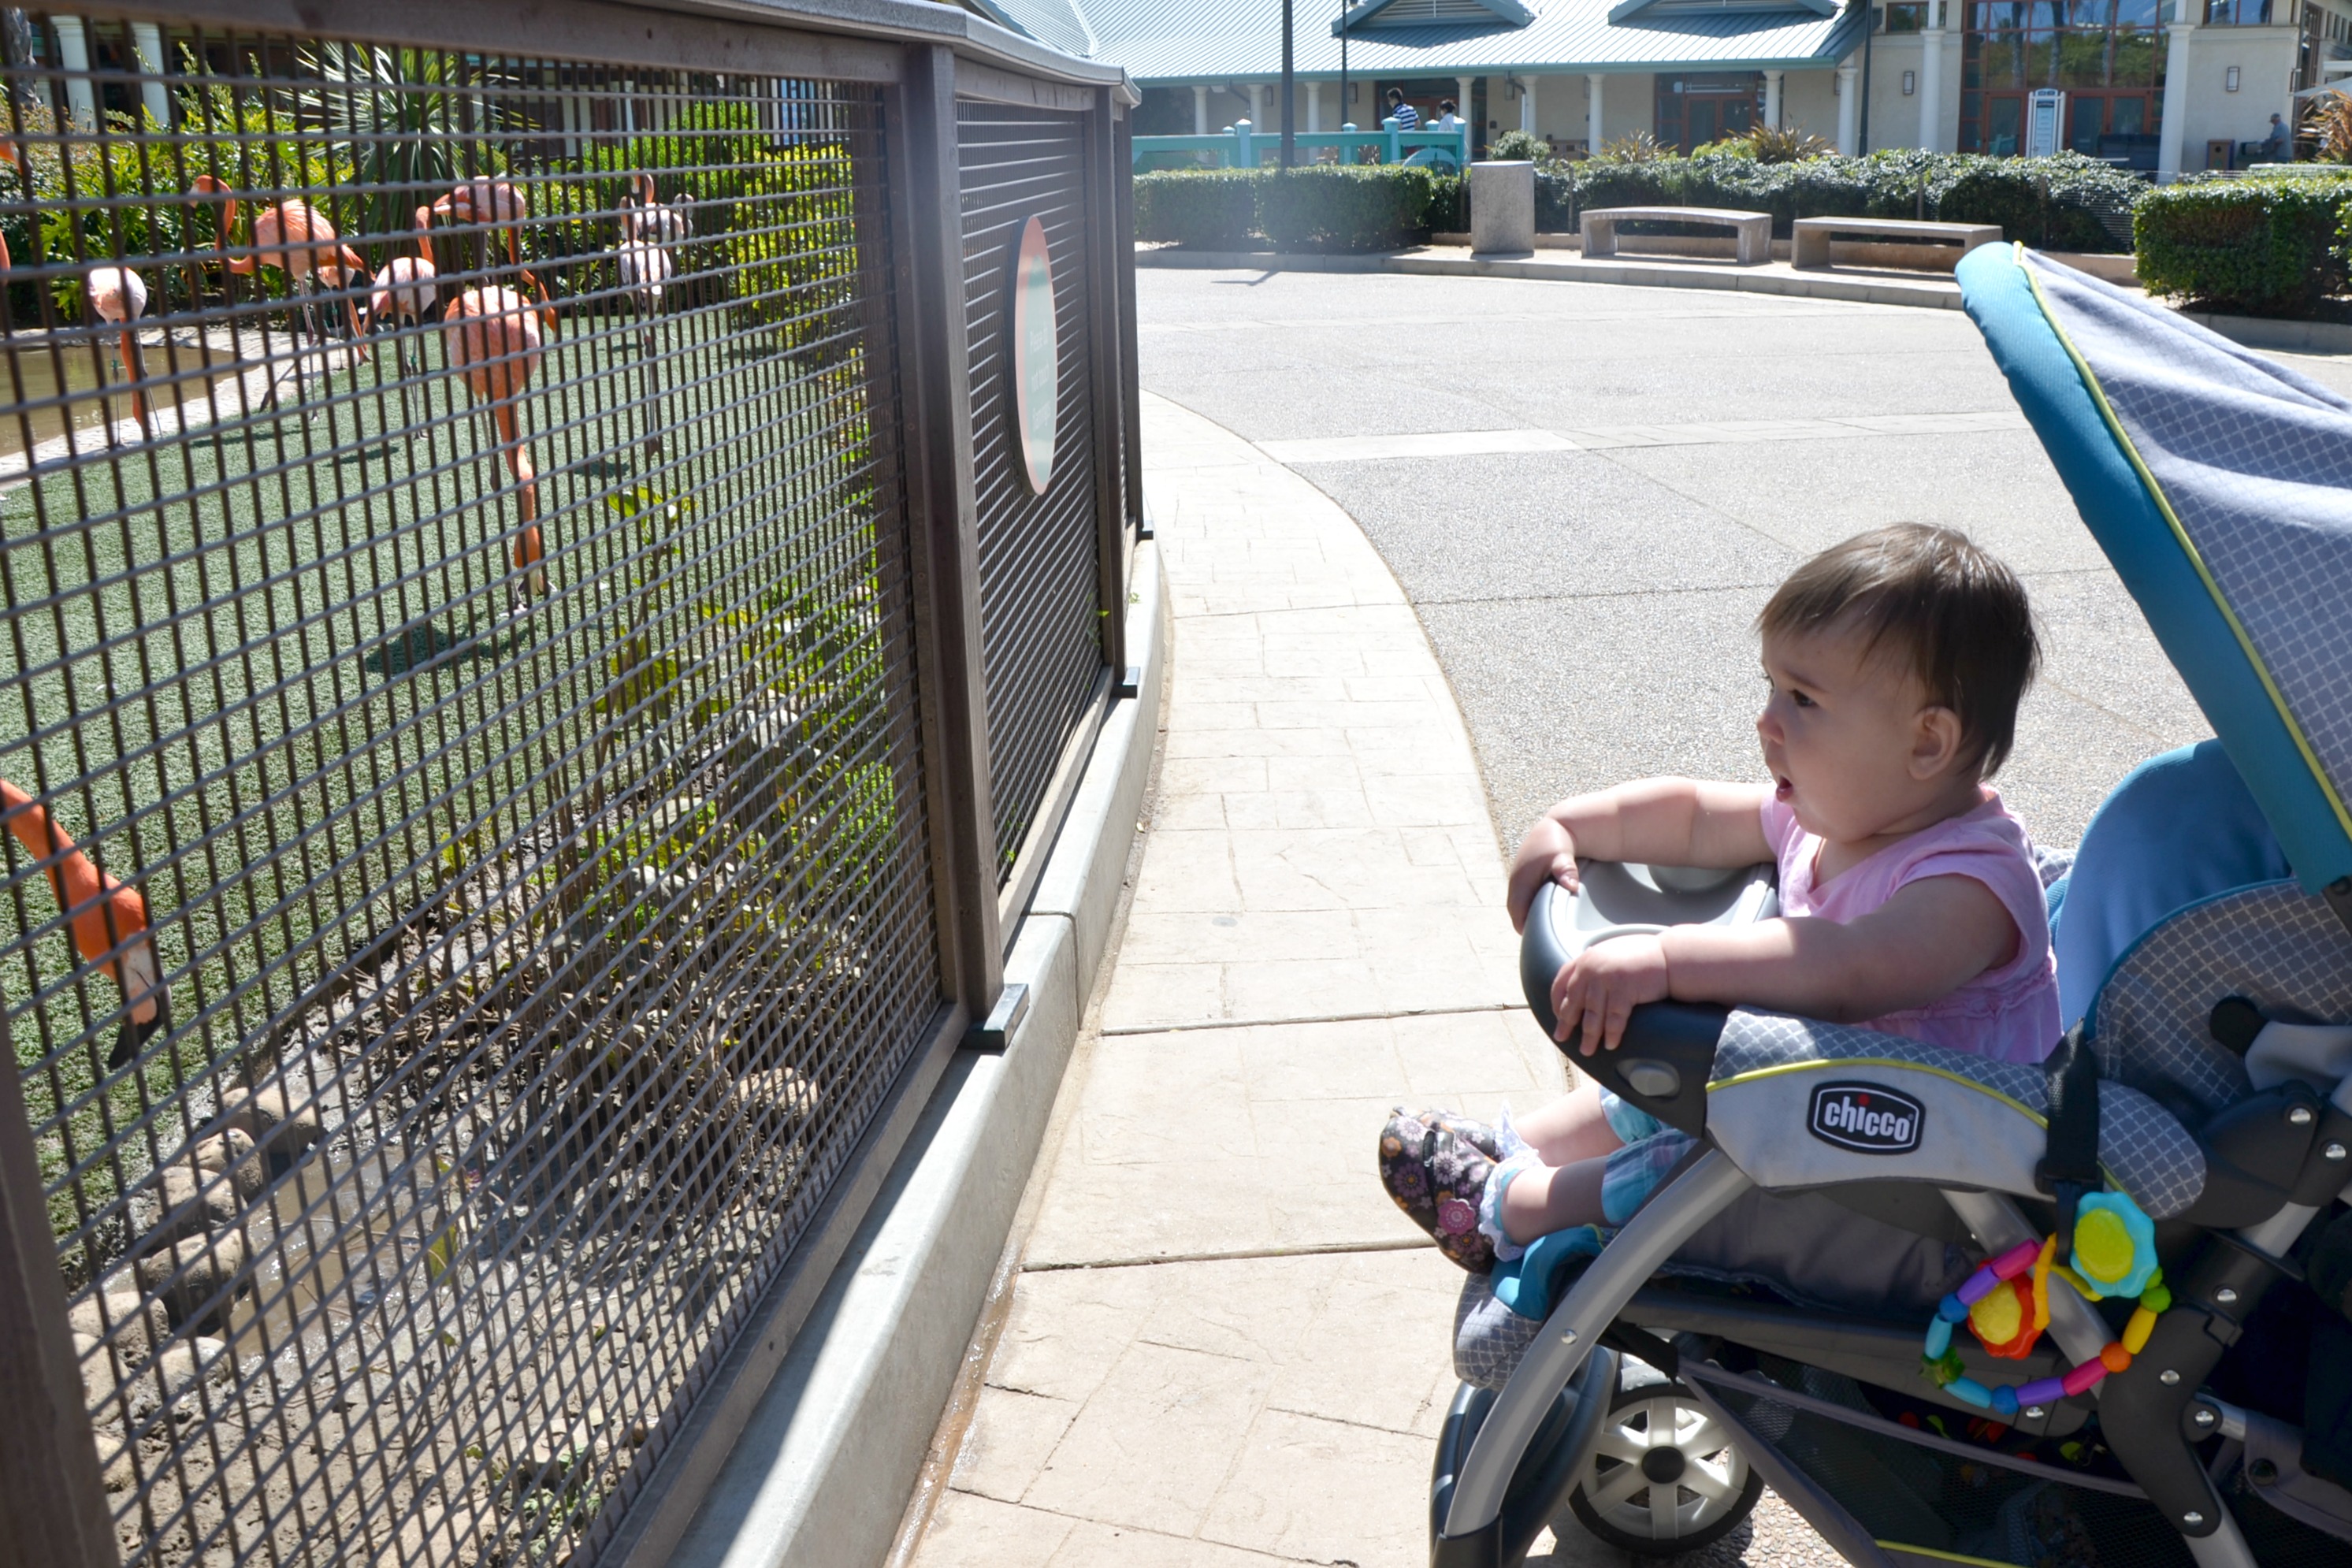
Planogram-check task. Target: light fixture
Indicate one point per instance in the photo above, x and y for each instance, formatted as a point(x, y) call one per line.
point(2229, 79)
point(1910, 83)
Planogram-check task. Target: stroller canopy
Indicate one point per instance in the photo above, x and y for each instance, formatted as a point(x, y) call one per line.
point(2219, 485)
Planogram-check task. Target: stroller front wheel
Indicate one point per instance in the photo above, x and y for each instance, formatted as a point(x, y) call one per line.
point(1665, 1477)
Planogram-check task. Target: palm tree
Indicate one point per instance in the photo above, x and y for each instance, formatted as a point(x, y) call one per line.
point(409, 124)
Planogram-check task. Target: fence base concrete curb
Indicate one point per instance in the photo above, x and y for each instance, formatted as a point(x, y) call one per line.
point(820, 1477)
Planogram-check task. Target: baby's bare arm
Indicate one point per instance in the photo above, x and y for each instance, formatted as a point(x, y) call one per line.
point(1931, 938)
point(1666, 822)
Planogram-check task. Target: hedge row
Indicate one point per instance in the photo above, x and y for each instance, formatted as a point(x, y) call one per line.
point(2065, 203)
point(2265, 247)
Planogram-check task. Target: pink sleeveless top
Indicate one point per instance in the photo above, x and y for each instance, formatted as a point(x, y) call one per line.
point(2009, 1012)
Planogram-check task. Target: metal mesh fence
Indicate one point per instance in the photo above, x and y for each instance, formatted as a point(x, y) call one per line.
point(466, 895)
point(1040, 597)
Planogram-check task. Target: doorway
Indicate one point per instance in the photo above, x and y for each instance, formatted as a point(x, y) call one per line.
point(1696, 110)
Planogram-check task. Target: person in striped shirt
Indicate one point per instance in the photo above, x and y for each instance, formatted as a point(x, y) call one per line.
point(1407, 117)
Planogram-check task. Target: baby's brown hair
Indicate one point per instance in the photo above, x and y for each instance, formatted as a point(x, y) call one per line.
point(1957, 611)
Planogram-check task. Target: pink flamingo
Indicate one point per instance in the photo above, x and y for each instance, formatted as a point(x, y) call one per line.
point(650, 219)
point(485, 201)
point(493, 337)
point(404, 293)
point(295, 237)
point(108, 921)
point(119, 295)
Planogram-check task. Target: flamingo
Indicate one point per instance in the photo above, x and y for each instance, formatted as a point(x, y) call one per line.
point(108, 921)
point(493, 337)
point(119, 295)
point(295, 237)
point(651, 219)
point(494, 203)
point(404, 292)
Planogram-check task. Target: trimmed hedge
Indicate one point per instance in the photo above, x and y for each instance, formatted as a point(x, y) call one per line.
point(2065, 203)
point(1328, 206)
point(1215, 209)
point(2266, 246)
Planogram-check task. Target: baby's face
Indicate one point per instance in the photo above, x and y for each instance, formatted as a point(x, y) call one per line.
point(1848, 739)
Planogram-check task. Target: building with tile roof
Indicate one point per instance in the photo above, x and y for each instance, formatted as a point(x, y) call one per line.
point(2164, 85)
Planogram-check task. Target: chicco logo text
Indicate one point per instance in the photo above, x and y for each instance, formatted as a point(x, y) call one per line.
point(1867, 1118)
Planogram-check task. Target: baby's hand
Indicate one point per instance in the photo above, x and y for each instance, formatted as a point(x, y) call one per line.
point(1598, 990)
point(1546, 855)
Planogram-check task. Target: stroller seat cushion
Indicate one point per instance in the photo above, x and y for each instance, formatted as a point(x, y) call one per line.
point(2275, 945)
point(1868, 1106)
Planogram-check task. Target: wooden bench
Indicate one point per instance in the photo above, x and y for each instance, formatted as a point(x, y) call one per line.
point(1809, 238)
point(1751, 232)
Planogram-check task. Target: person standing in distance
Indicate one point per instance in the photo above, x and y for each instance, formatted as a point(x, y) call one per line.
point(1407, 117)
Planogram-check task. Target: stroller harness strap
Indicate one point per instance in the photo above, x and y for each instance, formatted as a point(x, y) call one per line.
point(2071, 1167)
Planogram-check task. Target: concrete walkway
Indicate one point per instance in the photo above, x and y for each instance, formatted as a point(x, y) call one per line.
point(1225, 1346)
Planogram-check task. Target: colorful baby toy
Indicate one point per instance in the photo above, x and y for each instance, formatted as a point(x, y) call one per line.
point(2006, 1304)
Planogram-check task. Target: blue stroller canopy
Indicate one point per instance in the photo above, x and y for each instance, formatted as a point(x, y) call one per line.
point(2219, 485)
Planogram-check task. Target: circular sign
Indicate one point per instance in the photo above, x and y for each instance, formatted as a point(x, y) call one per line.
point(1036, 356)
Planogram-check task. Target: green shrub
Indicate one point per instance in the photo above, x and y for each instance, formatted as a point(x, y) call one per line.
point(1519, 147)
point(1215, 209)
point(1328, 207)
point(1449, 206)
point(2082, 195)
point(2270, 247)
point(1555, 199)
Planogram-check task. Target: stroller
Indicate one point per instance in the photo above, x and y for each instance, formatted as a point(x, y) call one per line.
point(1797, 1303)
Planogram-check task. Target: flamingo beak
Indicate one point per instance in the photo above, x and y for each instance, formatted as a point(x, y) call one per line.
point(135, 1034)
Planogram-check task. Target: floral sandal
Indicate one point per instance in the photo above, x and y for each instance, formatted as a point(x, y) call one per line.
point(1435, 1166)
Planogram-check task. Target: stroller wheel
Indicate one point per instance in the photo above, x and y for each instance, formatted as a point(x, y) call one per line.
point(1664, 1478)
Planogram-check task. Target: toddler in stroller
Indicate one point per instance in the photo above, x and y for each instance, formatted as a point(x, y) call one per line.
point(1909, 897)
point(1972, 1306)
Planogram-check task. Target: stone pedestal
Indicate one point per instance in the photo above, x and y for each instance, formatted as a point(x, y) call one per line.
point(1502, 207)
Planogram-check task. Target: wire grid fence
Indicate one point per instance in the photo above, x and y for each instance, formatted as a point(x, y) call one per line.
point(457, 681)
point(1039, 595)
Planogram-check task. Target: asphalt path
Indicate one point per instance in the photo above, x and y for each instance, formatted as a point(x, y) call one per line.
point(1666, 458)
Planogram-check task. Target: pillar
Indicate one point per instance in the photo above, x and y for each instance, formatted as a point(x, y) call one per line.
point(1257, 103)
point(73, 56)
point(148, 39)
point(1200, 112)
point(1849, 110)
point(1463, 100)
point(1772, 98)
point(1931, 79)
point(1527, 107)
point(1593, 112)
point(1314, 107)
point(2175, 124)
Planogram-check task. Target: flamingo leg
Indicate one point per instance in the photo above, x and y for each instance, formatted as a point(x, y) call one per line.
point(526, 552)
point(128, 341)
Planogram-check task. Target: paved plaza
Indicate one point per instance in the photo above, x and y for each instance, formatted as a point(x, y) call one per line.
point(1438, 551)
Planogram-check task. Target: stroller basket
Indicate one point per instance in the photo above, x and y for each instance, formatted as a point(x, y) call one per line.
point(1926, 1500)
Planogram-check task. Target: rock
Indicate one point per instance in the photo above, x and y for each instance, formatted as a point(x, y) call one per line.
point(276, 1122)
point(115, 1470)
point(183, 1366)
point(196, 1276)
point(135, 1324)
point(193, 1204)
point(778, 1091)
point(232, 1152)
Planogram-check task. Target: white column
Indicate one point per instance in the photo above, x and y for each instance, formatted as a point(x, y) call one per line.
point(1200, 112)
point(1314, 107)
point(148, 39)
point(1772, 99)
point(1849, 110)
point(2175, 125)
point(1593, 112)
point(1527, 107)
point(1931, 79)
point(73, 54)
point(1258, 104)
point(1463, 100)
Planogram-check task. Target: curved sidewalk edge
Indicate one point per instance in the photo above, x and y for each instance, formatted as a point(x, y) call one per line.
point(828, 1451)
point(1223, 1345)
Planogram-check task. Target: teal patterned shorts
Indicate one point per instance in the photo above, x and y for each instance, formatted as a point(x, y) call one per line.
point(1651, 1149)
